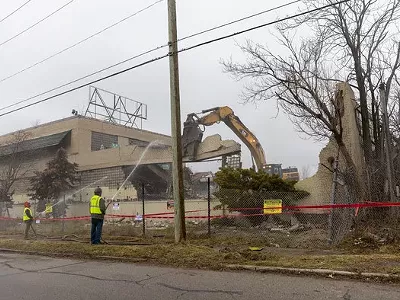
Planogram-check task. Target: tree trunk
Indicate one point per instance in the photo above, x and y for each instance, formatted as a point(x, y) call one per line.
point(366, 135)
point(375, 127)
point(351, 168)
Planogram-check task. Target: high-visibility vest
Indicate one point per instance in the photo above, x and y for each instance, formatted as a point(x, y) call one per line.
point(49, 209)
point(95, 205)
point(25, 216)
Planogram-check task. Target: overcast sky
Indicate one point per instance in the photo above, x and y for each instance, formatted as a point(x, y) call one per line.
point(203, 84)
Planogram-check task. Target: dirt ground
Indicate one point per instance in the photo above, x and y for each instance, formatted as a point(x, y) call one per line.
point(215, 252)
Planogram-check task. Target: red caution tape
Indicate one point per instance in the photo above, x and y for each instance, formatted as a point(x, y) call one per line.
point(285, 210)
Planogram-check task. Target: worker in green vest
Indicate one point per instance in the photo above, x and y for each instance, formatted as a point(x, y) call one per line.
point(27, 218)
point(97, 212)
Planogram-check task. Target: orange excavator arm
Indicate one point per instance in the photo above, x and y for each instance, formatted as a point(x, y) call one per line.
point(226, 115)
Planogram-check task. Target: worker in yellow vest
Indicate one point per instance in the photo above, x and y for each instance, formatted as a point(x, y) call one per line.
point(28, 219)
point(48, 210)
point(97, 212)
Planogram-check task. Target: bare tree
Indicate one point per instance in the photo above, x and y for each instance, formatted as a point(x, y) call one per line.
point(12, 165)
point(295, 82)
point(361, 38)
point(35, 123)
point(354, 42)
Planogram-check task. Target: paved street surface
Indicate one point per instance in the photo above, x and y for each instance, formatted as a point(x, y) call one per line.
point(43, 278)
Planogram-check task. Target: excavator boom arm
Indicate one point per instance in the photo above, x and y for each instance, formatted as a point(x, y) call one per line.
point(226, 114)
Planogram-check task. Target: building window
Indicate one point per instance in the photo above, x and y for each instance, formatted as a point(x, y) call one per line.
point(135, 142)
point(101, 141)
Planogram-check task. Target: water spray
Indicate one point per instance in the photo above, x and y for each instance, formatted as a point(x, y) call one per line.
point(78, 191)
point(151, 144)
point(84, 188)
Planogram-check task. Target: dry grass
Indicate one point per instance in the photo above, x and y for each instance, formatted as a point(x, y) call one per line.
point(300, 250)
point(211, 256)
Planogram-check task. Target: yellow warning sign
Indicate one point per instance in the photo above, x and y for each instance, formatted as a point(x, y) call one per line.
point(49, 208)
point(272, 206)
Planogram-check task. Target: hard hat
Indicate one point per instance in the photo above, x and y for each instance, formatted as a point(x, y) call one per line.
point(98, 191)
point(27, 204)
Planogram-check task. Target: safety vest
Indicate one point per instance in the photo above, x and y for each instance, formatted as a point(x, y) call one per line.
point(25, 216)
point(49, 209)
point(95, 205)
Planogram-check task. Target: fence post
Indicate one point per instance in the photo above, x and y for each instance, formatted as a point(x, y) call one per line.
point(63, 215)
point(333, 194)
point(209, 205)
point(143, 212)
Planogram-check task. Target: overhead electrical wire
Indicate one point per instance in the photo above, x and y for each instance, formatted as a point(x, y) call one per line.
point(240, 20)
point(35, 24)
point(76, 80)
point(157, 48)
point(13, 12)
point(148, 52)
point(80, 42)
point(165, 56)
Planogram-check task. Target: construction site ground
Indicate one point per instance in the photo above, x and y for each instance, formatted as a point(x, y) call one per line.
point(222, 253)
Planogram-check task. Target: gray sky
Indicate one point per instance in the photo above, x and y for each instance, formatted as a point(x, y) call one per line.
point(203, 84)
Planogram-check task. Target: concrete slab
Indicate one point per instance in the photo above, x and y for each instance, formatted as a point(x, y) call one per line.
point(211, 147)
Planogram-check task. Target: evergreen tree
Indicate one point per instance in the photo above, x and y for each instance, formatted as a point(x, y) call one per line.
point(244, 190)
point(50, 184)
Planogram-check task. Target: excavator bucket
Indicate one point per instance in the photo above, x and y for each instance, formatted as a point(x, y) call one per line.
point(191, 138)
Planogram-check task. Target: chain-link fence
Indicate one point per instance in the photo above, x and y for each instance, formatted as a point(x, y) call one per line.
point(277, 219)
point(366, 205)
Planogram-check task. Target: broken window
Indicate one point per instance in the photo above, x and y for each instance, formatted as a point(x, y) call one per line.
point(136, 142)
point(101, 141)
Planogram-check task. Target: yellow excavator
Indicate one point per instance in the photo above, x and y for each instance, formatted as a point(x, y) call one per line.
point(193, 134)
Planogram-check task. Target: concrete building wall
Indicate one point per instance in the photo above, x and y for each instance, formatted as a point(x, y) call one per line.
point(110, 180)
point(320, 185)
point(78, 147)
point(34, 162)
point(83, 126)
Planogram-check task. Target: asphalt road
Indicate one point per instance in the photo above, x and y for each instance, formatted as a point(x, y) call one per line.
point(44, 278)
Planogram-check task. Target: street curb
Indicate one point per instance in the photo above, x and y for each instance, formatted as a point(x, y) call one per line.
point(323, 272)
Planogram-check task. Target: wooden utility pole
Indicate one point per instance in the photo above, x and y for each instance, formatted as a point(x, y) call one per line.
point(387, 143)
point(177, 165)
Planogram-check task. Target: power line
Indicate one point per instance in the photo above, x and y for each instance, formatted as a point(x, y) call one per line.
point(260, 26)
point(10, 14)
point(157, 48)
point(83, 85)
point(156, 59)
point(37, 23)
point(144, 53)
point(165, 56)
point(80, 42)
point(79, 79)
point(241, 19)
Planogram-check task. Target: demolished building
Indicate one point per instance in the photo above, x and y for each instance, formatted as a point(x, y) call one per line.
point(320, 185)
point(106, 154)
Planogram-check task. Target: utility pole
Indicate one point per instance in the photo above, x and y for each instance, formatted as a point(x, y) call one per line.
point(177, 164)
point(387, 144)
